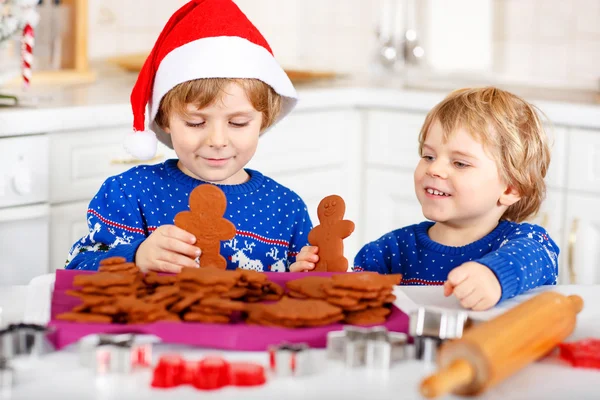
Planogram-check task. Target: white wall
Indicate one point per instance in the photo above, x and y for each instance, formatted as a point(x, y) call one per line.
point(538, 42)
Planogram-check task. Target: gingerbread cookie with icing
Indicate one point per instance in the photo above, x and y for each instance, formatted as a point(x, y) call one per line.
point(205, 221)
point(330, 233)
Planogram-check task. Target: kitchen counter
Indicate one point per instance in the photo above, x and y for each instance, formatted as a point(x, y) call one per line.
point(548, 379)
point(105, 103)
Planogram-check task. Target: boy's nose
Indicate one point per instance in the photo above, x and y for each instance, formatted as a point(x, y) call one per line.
point(437, 169)
point(217, 137)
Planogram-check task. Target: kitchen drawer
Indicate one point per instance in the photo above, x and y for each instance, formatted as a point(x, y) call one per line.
point(307, 140)
point(584, 160)
point(81, 160)
point(393, 138)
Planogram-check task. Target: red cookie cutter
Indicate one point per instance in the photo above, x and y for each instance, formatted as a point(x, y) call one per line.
point(209, 373)
point(584, 353)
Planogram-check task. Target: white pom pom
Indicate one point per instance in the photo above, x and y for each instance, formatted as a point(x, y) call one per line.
point(141, 145)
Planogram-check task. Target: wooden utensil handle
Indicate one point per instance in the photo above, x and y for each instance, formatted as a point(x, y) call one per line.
point(458, 373)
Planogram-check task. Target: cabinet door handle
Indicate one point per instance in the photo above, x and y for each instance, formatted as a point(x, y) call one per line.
point(134, 161)
point(571, 251)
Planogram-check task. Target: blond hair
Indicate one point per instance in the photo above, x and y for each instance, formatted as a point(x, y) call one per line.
point(204, 92)
point(510, 129)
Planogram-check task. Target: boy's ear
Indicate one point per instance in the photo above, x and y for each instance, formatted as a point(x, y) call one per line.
point(509, 197)
point(166, 129)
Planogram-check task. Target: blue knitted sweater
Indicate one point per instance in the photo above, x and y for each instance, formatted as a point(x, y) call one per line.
point(522, 256)
point(272, 221)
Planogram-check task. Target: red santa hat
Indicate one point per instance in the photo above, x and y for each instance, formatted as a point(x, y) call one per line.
point(203, 39)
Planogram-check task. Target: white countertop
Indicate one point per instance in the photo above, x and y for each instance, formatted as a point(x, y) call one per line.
point(58, 375)
point(105, 103)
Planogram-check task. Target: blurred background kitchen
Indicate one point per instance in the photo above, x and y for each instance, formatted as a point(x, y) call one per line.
point(367, 72)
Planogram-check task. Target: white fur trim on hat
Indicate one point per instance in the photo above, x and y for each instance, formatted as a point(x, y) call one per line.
point(141, 145)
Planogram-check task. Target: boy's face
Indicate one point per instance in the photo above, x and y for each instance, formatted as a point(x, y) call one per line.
point(216, 142)
point(457, 182)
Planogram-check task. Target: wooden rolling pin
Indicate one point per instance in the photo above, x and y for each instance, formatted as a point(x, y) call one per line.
point(488, 353)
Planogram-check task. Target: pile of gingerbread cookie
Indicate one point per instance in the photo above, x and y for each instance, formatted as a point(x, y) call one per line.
point(120, 293)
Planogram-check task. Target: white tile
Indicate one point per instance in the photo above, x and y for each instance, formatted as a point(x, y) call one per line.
point(136, 41)
point(585, 61)
point(103, 44)
point(519, 16)
point(161, 11)
point(133, 14)
point(555, 20)
point(587, 18)
point(518, 59)
point(551, 62)
point(285, 48)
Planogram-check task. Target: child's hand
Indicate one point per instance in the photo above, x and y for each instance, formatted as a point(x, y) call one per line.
point(167, 249)
point(306, 259)
point(475, 285)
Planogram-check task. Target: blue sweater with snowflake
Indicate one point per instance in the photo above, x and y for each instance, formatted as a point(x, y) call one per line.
point(521, 255)
point(272, 221)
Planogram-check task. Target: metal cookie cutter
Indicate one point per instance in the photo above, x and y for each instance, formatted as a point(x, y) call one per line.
point(372, 347)
point(119, 353)
point(430, 328)
point(24, 340)
point(7, 377)
point(289, 359)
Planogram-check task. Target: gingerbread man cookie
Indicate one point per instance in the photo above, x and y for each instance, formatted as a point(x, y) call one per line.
point(330, 233)
point(205, 221)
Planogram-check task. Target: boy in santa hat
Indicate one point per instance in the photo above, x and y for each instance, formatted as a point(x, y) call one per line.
point(211, 87)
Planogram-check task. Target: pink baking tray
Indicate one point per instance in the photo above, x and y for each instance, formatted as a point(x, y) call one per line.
point(233, 336)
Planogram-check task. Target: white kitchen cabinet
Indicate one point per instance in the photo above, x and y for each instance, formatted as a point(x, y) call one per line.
point(392, 138)
point(81, 160)
point(67, 225)
point(582, 239)
point(390, 203)
point(584, 161)
point(392, 146)
point(557, 140)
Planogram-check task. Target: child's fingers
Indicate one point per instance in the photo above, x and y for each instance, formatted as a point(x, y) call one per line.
point(457, 276)
point(175, 232)
point(163, 266)
point(448, 288)
point(309, 250)
point(471, 300)
point(301, 266)
point(171, 258)
point(464, 289)
point(177, 246)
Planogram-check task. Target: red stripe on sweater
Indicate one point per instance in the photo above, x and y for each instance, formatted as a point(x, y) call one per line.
point(115, 224)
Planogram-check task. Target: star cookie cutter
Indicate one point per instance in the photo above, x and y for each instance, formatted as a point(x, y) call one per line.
point(430, 328)
point(120, 353)
point(290, 359)
point(371, 347)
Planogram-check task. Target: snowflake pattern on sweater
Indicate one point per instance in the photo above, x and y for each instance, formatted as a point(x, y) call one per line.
point(272, 221)
point(521, 255)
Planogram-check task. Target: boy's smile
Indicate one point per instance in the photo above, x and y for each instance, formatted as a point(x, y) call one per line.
point(216, 142)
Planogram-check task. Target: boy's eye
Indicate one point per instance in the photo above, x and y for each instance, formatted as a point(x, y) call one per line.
point(427, 158)
point(239, 124)
point(194, 124)
point(458, 164)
